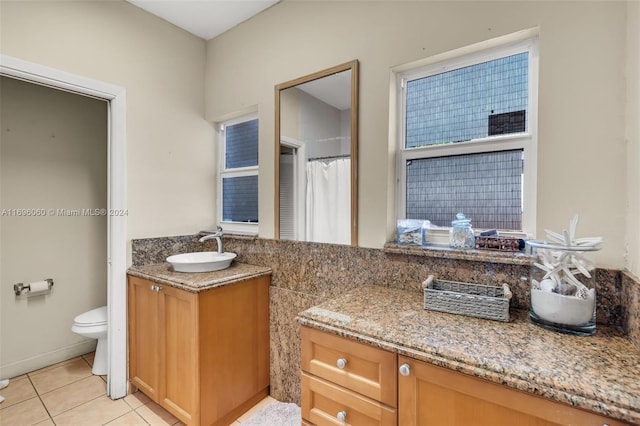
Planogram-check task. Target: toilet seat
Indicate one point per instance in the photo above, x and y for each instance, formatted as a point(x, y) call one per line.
point(92, 318)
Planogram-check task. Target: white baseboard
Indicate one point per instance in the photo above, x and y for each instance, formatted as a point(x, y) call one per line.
point(27, 365)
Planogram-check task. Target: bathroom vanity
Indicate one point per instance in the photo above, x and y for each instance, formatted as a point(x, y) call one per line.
point(199, 342)
point(375, 356)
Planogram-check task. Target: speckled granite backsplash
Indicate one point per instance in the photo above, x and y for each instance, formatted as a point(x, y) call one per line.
point(306, 274)
point(631, 307)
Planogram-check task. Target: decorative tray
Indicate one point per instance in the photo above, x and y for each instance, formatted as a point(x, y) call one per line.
point(493, 242)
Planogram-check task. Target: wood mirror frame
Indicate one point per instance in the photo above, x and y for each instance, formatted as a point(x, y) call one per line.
point(353, 67)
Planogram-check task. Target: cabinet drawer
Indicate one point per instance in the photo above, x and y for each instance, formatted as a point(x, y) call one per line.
point(322, 403)
point(367, 370)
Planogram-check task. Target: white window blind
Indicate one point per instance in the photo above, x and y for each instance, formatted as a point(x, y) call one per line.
point(467, 135)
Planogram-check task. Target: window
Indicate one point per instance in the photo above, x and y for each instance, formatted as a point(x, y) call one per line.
point(467, 137)
point(238, 176)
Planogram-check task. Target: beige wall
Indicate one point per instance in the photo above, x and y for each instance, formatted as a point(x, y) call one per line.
point(53, 155)
point(583, 56)
point(170, 148)
point(581, 94)
point(290, 113)
point(633, 137)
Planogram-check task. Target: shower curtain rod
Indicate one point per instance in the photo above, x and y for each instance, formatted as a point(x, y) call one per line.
point(332, 157)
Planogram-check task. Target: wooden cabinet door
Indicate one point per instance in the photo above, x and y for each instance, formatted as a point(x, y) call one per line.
point(431, 395)
point(144, 328)
point(204, 357)
point(178, 388)
point(234, 349)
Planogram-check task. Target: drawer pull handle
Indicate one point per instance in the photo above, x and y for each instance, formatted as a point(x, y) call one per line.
point(341, 363)
point(156, 288)
point(405, 370)
point(342, 416)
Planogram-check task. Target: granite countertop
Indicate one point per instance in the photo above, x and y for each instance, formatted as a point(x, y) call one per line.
point(163, 273)
point(600, 373)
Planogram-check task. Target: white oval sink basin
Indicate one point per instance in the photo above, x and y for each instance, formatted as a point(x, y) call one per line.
point(204, 261)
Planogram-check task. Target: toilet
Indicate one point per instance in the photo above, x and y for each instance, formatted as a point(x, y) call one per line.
point(93, 324)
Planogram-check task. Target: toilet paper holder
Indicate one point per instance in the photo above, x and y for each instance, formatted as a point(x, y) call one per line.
point(20, 287)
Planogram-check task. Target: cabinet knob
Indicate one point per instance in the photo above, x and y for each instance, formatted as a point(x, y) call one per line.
point(342, 416)
point(341, 363)
point(405, 370)
point(156, 288)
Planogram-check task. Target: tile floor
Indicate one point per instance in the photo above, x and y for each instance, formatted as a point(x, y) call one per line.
point(68, 394)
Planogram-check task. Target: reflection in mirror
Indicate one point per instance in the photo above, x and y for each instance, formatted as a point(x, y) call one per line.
point(316, 170)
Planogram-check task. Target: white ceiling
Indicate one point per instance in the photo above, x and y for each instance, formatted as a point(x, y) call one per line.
point(204, 18)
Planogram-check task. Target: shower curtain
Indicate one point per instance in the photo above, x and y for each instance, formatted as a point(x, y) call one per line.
point(329, 201)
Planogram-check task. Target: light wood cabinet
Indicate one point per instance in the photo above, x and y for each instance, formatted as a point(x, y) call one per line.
point(158, 317)
point(349, 383)
point(203, 356)
point(144, 340)
point(346, 382)
point(431, 395)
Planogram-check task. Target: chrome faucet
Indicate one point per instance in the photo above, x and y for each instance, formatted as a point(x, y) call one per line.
point(218, 236)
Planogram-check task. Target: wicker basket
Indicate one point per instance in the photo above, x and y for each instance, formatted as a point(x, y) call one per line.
point(474, 300)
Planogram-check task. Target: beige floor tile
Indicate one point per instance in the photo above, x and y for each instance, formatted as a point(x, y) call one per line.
point(95, 412)
point(22, 376)
point(74, 394)
point(89, 357)
point(130, 419)
point(60, 364)
point(18, 390)
point(155, 415)
point(61, 375)
point(75, 397)
point(259, 406)
point(25, 413)
point(136, 400)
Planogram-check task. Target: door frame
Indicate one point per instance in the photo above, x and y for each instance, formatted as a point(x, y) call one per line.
point(299, 184)
point(116, 200)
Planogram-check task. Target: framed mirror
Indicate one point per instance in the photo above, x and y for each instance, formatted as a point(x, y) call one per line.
point(316, 169)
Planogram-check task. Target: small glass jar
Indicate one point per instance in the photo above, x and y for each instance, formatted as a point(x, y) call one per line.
point(563, 288)
point(461, 234)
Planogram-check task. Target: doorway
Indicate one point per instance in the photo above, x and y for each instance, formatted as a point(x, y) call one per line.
point(116, 199)
point(292, 189)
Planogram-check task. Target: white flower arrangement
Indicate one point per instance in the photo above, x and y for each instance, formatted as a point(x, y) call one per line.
point(560, 296)
point(563, 262)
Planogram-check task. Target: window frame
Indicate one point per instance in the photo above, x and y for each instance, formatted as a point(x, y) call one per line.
point(527, 141)
point(223, 172)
